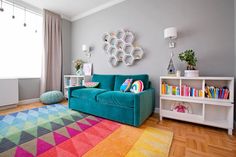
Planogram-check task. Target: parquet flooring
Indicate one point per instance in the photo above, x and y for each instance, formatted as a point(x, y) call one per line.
point(190, 140)
point(193, 140)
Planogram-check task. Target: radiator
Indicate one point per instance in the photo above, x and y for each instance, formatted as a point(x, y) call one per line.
point(9, 92)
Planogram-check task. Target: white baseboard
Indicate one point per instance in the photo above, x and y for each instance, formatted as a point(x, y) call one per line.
point(156, 110)
point(7, 107)
point(28, 101)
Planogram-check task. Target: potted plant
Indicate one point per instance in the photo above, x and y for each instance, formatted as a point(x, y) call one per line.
point(189, 57)
point(78, 64)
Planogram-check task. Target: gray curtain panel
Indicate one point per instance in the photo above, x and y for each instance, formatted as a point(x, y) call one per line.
point(52, 56)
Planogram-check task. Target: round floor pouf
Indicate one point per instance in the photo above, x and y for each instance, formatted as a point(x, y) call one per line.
point(51, 97)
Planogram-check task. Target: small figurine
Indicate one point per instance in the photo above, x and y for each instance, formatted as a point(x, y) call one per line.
point(171, 67)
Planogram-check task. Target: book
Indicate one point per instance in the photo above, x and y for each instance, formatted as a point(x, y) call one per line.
point(182, 90)
point(178, 91)
point(173, 90)
point(163, 88)
point(216, 92)
point(226, 94)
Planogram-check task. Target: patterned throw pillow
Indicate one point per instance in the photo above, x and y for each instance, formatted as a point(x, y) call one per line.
point(125, 87)
point(91, 84)
point(137, 87)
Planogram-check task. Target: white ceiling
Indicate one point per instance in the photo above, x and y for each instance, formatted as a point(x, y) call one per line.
point(72, 9)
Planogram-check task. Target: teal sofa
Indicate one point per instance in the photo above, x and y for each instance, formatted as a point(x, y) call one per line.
point(108, 102)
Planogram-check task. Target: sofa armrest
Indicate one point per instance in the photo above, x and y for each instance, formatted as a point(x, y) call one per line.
point(70, 89)
point(144, 105)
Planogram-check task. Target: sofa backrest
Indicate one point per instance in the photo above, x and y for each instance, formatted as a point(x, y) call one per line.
point(113, 82)
point(105, 81)
point(119, 79)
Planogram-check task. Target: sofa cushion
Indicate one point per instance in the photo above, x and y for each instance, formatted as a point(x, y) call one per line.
point(91, 84)
point(125, 87)
point(105, 81)
point(87, 93)
point(121, 78)
point(116, 98)
point(137, 87)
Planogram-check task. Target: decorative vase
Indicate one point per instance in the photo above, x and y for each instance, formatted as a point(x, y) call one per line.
point(80, 71)
point(191, 73)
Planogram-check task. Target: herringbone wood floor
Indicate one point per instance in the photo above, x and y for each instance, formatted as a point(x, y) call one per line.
point(190, 140)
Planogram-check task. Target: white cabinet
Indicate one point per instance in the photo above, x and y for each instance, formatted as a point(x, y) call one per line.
point(214, 109)
point(73, 80)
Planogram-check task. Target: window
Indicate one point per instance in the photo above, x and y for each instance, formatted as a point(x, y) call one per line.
point(20, 47)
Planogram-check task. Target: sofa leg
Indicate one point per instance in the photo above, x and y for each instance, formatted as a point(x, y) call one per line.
point(161, 118)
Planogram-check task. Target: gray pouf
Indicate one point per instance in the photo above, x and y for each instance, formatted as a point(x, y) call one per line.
point(51, 97)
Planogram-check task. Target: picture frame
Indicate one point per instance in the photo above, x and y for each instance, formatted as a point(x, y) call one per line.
point(87, 68)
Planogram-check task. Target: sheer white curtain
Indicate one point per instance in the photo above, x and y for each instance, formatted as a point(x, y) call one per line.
point(20, 47)
point(52, 56)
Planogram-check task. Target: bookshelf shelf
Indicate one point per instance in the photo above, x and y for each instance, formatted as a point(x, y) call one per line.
point(202, 99)
point(73, 80)
point(207, 110)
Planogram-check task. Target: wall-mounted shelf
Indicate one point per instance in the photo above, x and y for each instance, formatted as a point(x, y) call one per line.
point(119, 46)
point(217, 112)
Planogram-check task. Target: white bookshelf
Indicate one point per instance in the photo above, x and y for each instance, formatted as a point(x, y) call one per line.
point(208, 111)
point(72, 81)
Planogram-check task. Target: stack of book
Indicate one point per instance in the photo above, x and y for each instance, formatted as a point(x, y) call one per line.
point(217, 93)
point(190, 91)
point(169, 90)
point(67, 81)
point(185, 90)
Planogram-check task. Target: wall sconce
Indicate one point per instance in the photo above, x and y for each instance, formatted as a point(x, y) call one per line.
point(170, 34)
point(1, 8)
point(87, 50)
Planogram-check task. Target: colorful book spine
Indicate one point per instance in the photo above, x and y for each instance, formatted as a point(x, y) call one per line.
point(188, 91)
point(169, 90)
point(182, 90)
point(178, 91)
point(163, 88)
point(216, 93)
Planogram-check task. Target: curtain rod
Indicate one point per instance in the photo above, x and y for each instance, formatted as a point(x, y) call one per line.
point(22, 7)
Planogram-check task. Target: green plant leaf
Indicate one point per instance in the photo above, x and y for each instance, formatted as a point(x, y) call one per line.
point(189, 57)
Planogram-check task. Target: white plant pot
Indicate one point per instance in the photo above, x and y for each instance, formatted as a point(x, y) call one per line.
point(191, 73)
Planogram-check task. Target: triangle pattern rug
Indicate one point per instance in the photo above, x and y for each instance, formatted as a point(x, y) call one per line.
point(55, 130)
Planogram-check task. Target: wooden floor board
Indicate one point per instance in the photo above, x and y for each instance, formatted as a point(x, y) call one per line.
point(190, 140)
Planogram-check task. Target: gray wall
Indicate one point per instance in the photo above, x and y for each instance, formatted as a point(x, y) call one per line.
point(235, 40)
point(205, 26)
point(29, 88)
point(66, 45)
point(235, 57)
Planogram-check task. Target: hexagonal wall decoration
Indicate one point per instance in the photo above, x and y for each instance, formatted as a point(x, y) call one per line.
point(128, 60)
point(113, 61)
point(111, 50)
point(119, 44)
point(137, 53)
point(119, 55)
point(119, 47)
point(106, 46)
point(129, 37)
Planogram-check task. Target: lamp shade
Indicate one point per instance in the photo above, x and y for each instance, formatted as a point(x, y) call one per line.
point(84, 48)
point(170, 32)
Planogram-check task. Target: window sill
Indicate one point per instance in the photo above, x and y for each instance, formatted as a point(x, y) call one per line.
point(20, 78)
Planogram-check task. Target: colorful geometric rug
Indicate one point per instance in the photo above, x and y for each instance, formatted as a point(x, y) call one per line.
point(56, 131)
